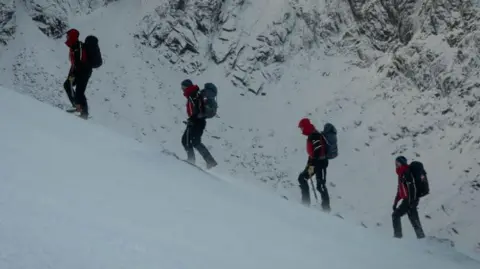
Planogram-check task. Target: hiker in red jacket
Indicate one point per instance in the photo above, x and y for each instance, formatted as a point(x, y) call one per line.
point(78, 75)
point(196, 122)
point(316, 165)
point(407, 193)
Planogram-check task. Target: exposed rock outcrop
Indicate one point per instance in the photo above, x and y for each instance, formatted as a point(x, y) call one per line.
point(7, 21)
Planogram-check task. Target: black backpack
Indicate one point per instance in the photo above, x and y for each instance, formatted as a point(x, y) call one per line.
point(420, 176)
point(330, 135)
point(94, 56)
point(209, 100)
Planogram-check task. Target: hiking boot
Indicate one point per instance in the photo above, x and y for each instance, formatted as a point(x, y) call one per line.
point(71, 109)
point(211, 164)
point(306, 202)
point(420, 234)
point(83, 115)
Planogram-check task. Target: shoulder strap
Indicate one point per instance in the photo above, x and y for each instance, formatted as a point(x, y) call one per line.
point(80, 49)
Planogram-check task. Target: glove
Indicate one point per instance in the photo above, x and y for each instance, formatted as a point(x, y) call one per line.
point(310, 171)
point(71, 79)
point(394, 206)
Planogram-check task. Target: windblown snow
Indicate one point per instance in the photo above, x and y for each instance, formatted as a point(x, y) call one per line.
point(76, 195)
point(394, 77)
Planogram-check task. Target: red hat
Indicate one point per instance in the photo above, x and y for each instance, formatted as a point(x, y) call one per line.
point(306, 126)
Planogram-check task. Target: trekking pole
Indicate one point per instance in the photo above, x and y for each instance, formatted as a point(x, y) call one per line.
point(72, 90)
point(71, 85)
point(313, 189)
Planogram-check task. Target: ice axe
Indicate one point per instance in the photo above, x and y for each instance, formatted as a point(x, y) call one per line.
point(313, 186)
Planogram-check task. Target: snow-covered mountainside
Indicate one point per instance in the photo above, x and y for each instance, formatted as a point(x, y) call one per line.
point(395, 77)
point(100, 200)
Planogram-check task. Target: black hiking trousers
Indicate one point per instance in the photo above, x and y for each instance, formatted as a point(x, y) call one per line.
point(78, 98)
point(412, 212)
point(320, 171)
point(192, 138)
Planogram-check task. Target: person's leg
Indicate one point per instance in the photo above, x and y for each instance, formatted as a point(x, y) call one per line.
point(68, 89)
point(197, 132)
point(397, 219)
point(415, 221)
point(321, 176)
point(80, 98)
point(188, 145)
point(303, 181)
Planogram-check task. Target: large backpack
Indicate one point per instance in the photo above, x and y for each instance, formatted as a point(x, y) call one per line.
point(330, 135)
point(94, 56)
point(209, 100)
point(420, 176)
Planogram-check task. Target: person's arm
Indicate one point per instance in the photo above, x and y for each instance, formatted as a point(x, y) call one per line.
point(401, 192)
point(318, 147)
point(193, 107)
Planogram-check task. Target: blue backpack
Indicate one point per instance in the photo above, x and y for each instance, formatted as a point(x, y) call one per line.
point(330, 135)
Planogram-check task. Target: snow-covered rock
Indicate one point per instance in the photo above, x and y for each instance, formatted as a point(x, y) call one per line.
point(431, 48)
point(194, 34)
point(52, 16)
point(7, 20)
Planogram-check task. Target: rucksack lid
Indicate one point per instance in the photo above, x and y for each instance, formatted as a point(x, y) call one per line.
point(210, 90)
point(91, 39)
point(329, 128)
point(417, 168)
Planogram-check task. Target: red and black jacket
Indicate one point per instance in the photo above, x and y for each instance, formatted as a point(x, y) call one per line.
point(193, 102)
point(316, 146)
point(78, 60)
point(406, 189)
point(77, 55)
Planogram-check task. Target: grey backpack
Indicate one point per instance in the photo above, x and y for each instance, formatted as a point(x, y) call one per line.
point(209, 100)
point(330, 135)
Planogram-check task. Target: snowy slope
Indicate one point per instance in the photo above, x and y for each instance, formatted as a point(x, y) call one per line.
point(75, 195)
point(275, 62)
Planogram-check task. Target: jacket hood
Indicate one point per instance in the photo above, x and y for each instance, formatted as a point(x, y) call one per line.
point(306, 126)
point(72, 37)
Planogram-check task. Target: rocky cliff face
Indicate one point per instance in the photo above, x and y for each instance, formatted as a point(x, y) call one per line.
point(7, 20)
point(431, 48)
point(432, 45)
point(51, 16)
point(193, 34)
